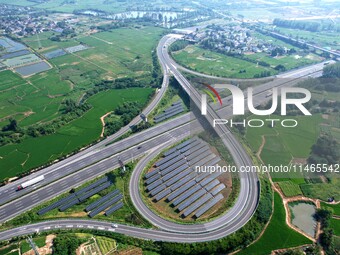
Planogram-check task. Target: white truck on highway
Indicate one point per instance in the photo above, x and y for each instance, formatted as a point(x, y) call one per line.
point(31, 182)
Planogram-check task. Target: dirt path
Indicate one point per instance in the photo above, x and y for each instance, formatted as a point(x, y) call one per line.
point(102, 119)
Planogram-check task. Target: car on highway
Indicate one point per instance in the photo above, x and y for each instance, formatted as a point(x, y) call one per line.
point(114, 225)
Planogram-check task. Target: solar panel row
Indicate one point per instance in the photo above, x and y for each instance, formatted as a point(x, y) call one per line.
point(210, 177)
point(157, 190)
point(174, 172)
point(199, 157)
point(172, 167)
point(167, 158)
point(177, 102)
point(152, 179)
point(101, 200)
point(186, 194)
point(170, 162)
point(56, 204)
point(165, 116)
point(105, 205)
point(173, 108)
point(154, 185)
point(208, 205)
point(114, 208)
point(178, 177)
point(68, 205)
point(91, 186)
point(181, 182)
point(191, 148)
point(197, 204)
point(149, 174)
point(162, 194)
point(181, 190)
point(212, 185)
point(94, 191)
point(197, 153)
point(217, 189)
point(190, 200)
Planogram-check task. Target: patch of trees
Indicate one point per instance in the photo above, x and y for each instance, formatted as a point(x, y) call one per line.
point(179, 45)
point(326, 238)
point(66, 244)
point(326, 150)
point(262, 74)
point(111, 26)
point(331, 71)
point(157, 75)
point(312, 26)
point(13, 133)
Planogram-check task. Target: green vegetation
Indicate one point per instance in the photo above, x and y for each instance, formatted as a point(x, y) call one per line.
point(323, 191)
point(39, 241)
point(334, 207)
point(312, 26)
point(328, 227)
point(7, 250)
point(66, 244)
point(335, 225)
point(290, 189)
point(205, 61)
point(127, 214)
point(322, 38)
point(38, 104)
point(106, 245)
point(33, 152)
point(277, 235)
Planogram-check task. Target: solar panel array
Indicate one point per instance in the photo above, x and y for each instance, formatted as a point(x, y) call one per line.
point(78, 196)
point(175, 180)
point(173, 110)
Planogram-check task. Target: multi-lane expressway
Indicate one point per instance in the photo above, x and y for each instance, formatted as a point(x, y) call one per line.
point(100, 160)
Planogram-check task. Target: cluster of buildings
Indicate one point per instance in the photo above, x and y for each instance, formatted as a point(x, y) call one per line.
point(234, 39)
point(24, 21)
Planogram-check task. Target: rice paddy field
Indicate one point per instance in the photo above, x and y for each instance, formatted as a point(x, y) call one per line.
point(277, 235)
point(33, 152)
point(38, 98)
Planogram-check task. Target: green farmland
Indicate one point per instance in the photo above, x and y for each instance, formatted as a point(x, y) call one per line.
point(38, 99)
point(33, 152)
point(277, 235)
point(205, 61)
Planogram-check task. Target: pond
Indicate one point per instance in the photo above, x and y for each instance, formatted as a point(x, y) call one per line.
point(303, 217)
point(32, 69)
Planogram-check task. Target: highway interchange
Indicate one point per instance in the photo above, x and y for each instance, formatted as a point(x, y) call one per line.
point(100, 159)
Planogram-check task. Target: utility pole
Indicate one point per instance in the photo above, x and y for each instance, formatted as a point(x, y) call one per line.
point(33, 245)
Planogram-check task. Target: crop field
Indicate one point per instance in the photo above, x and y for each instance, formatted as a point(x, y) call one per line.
point(289, 62)
point(290, 189)
point(277, 235)
point(42, 43)
point(321, 38)
point(335, 225)
point(283, 144)
point(334, 207)
point(322, 190)
point(106, 245)
point(205, 61)
point(39, 98)
point(32, 152)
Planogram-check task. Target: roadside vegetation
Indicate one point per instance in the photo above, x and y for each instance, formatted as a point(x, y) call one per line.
point(127, 214)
